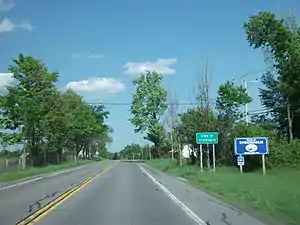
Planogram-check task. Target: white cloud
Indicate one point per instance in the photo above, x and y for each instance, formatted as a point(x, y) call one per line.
point(81, 55)
point(76, 55)
point(25, 26)
point(163, 66)
point(5, 79)
point(6, 5)
point(97, 85)
point(8, 26)
point(95, 56)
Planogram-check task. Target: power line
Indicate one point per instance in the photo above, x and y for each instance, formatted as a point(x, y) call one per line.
point(259, 110)
point(249, 113)
point(254, 72)
point(181, 103)
point(127, 103)
point(245, 82)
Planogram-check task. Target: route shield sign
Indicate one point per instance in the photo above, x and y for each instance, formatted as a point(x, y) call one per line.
point(241, 161)
point(207, 138)
point(251, 146)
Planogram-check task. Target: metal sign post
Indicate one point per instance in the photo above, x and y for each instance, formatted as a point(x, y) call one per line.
point(201, 157)
point(208, 138)
point(263, 164)
point(252, 146)
point(208, 155)
point(214, 158)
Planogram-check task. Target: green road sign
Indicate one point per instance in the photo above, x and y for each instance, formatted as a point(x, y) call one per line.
point(207, 138)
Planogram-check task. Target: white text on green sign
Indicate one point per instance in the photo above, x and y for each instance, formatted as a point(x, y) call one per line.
point(207, 138)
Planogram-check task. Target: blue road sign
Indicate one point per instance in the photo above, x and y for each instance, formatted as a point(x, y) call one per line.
point(241, 161)
point(251, 146)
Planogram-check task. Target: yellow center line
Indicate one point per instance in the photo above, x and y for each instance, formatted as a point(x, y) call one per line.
point(46, 209)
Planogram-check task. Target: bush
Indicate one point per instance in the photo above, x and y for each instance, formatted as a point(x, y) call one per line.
point(115, 156)
point(283, 154)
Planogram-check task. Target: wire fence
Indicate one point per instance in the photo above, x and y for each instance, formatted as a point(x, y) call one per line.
point(10, 164)
point(13, 164)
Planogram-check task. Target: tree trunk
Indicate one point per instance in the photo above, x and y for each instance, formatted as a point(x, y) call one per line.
point(150, 156)
point(208, 157)
point(156, 147)
point(290, 122)
point(180, 154)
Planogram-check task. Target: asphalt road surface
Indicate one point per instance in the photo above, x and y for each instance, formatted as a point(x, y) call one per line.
point(114, 193)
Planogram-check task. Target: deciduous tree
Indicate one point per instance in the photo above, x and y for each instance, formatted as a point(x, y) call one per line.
point(148, 106)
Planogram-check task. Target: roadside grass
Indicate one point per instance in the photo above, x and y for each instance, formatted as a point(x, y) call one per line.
point(16, 175)
point(274, 196)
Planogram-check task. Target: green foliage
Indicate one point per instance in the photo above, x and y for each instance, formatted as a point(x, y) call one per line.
point(10, 154)
point(192, 121)
point(45, 121)
point(135, 151)
point(115, 156)
point(283, 154)
point(281, 37)
point(231, 98)
point(148, 106)
point(273, 98)
point(26, 102)
point(251, 130)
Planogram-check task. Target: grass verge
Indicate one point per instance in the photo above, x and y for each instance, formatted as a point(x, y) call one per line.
point(274, 196)
point(16, 175)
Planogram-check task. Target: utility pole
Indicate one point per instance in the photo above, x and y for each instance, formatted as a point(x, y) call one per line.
point(245, 82)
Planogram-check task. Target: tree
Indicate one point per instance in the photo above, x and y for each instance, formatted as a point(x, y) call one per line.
point(26, 103)
point(115, 156)
point(148, 106)
point(282, 38)
point(57, 125)
point(172, 119)
point(229, 101)
point(132, 151)
point(273, 99)
point(280, 41)
point(49, 124)
point(205, 106)
point(265, 122)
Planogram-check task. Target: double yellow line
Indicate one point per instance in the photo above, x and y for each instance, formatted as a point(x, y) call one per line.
point(46, 209)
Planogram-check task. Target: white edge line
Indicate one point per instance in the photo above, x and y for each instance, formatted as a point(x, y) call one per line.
point(38, 178)
point(187, 210)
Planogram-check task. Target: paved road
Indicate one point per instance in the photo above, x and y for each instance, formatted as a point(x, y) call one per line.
point(19, 201)
point(124, 194)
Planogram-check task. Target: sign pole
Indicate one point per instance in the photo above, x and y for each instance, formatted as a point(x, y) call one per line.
point(251, 146)
point(201, 158)
point(263, 164)
point(214, 158)
point(208, 138)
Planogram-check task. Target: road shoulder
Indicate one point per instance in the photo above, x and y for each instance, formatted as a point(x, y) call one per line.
point(29, 179)
point(205, 206)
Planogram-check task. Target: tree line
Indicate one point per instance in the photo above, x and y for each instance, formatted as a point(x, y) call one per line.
point(48, 123)
point(155, 114)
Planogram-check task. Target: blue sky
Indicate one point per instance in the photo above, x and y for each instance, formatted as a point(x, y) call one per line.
point(99, 46)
